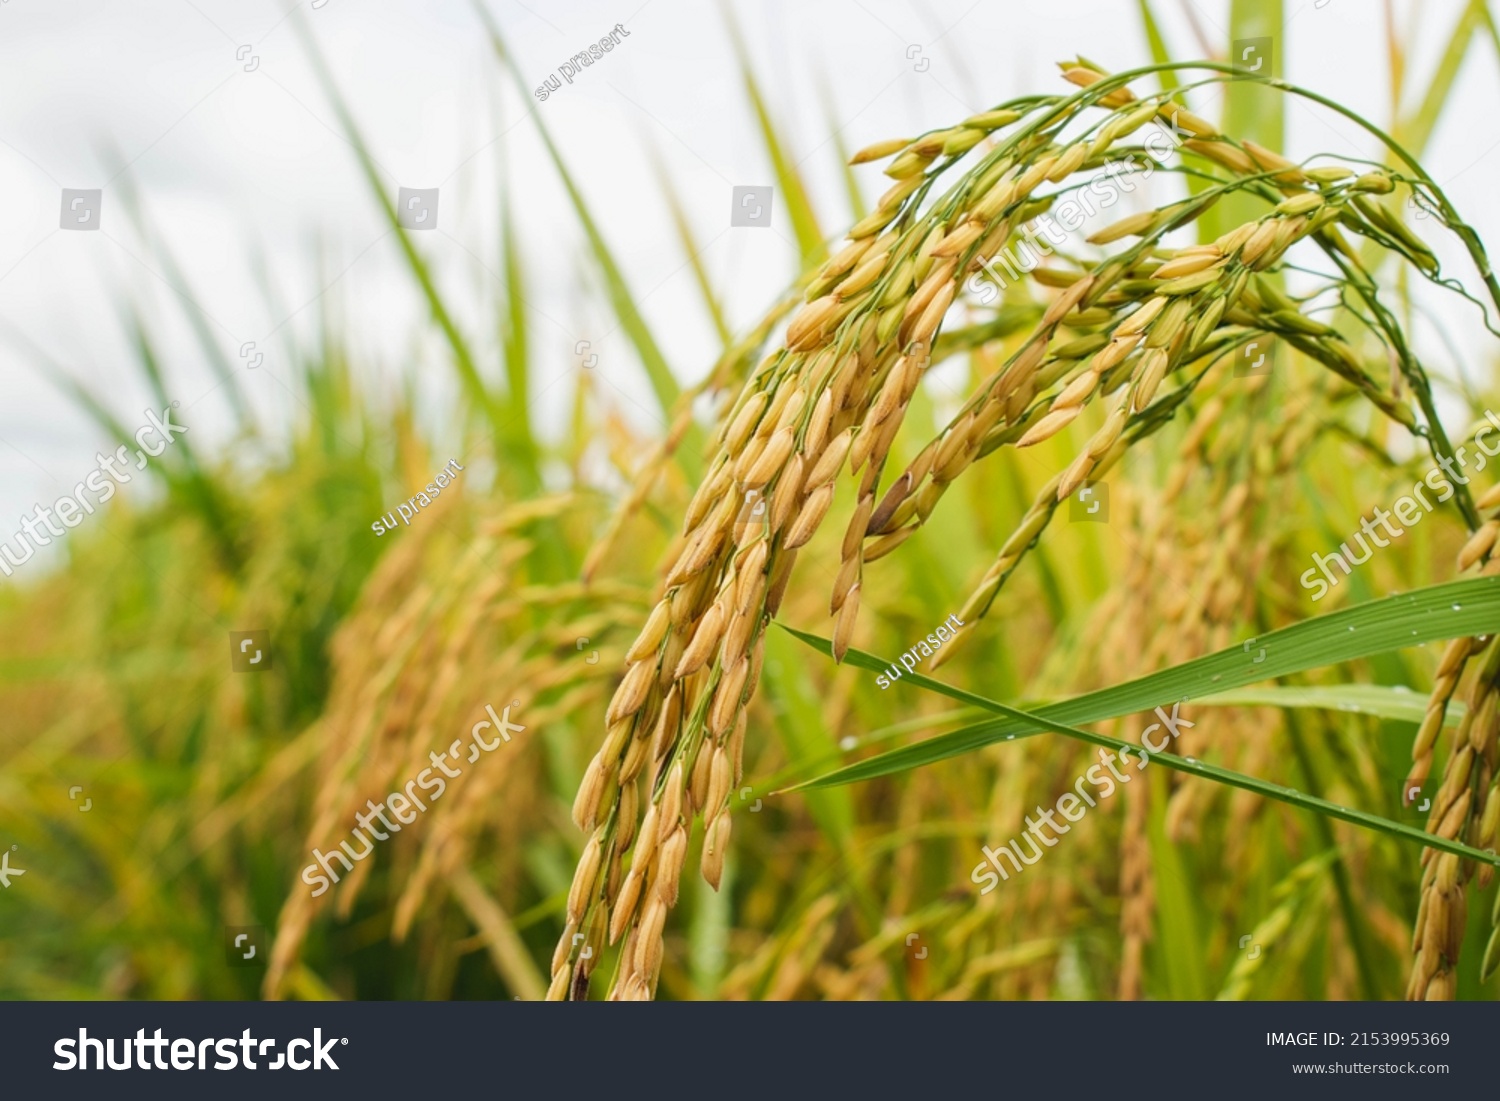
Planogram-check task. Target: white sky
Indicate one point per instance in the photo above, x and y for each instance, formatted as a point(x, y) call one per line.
point(229, 161)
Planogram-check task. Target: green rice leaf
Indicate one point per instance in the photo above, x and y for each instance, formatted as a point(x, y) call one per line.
point(1252, 110)
point(1397, 703)
point(663, 382)
point(1157, 43)
point(1414, 130)
point(1452, 610)
point(463, 358)
point(694, 253)
point(519, 442)
point(788, 180)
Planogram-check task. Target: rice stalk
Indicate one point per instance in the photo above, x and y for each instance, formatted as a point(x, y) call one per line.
point(1113, 335)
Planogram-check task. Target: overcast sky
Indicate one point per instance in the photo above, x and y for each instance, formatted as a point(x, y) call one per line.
point(212, 109)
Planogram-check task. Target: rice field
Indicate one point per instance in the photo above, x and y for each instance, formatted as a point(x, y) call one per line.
point(1145, 650)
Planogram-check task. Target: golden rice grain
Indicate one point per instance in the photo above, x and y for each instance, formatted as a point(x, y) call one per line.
point(1489, 499)
point(810, 516)
point(1183, 119)
point(961, 140)
point(1140, 318)
point(726, 699)
point(648, 946)
point(751, 575)
point(843, 631)
point(669, 863)
point(1269, 161)
point(1149, 373)
point(720, 775)
point(650, 638)
point(806, 328)
point(1135, 225)
point(772, 459)
point(909, 163)
point(715, 846)
point(737, 638)
point(1188, 265)
point(636, 755)
point(586, 802)
point(958, 242)
point(879, 150)
point(1077, 391)
point(1049, 426)
point(883, 546)
point(845, 260)
point(584, 879)
point(671, 796)
point(738, 433)
point(624, 908)
point(705, 637)
point(1479, 545)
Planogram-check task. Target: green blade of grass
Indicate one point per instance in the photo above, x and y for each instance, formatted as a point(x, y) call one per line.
point(663, 382)
point(709, 929)
point(1027, 724)
point(1490, 25)
point(802, 731)
point(463, 358)
point(520, 443)
point(197, 318)
point(1451, 610)
point(1414, 130)
point(1381, 701)
point(179, 469)
point(857, 207)
point(694, 253)
point(804, 734)
point(1177, 917)
point(1157, 44)
point(1229, 777)
point(1396, 703)
point(1252, 110)
point(798, 207)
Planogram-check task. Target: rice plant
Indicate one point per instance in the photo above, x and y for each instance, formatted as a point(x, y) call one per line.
point(1108, 332)
point(695, 657)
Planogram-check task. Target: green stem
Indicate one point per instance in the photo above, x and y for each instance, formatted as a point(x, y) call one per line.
point(1339, 870)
